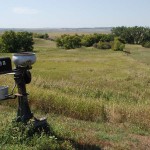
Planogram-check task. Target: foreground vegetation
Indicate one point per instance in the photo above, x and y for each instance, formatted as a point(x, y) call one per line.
point(93, 99)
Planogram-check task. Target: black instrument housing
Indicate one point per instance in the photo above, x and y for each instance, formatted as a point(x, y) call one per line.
point(5, 65)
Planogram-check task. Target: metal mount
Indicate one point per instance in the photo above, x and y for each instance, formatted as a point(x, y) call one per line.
point(22, 76)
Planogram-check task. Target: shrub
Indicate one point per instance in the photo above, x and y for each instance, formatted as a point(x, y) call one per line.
point(103, 45)
point(107, 37)
point(69, 41)
point(117, 45)
point(146, 44)
point(95, 45)
point(41, 36)
point(59, 42)
point(88, 40)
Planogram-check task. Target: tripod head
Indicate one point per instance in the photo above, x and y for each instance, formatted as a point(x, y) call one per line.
point(23, 62)
point(24, 59)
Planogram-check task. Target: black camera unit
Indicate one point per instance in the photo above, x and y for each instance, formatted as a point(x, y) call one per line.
point(5, 65)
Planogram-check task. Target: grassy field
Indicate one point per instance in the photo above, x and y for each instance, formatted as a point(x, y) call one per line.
point(93, 99)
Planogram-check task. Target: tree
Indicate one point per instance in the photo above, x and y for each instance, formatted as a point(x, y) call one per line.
point(132, 35)
point(9, 42)
point(15, 42)
point(25, 41)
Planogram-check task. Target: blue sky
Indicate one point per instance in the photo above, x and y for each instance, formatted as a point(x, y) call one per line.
point(73, 13)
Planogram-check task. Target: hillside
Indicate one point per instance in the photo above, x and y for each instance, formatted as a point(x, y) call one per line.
point(94, 99)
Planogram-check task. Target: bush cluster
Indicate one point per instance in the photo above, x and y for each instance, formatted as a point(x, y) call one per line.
point(69, 41)
point(102, 45)
point(129, 35)
point(76, 41)
point(41, 36)
point(14, 42)
point(133, 35)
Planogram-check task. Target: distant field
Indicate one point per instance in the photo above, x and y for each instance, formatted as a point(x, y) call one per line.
point(56, 31)
point(95, 97)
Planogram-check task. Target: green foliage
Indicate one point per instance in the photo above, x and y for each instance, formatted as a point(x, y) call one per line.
point(1, 44)
point(90, 40)
point(76, 41)
point(132, 35)
point(117, 45)
point(69, 41)
point(103, 45)
point(41, 36)
point(25, 41)
point(106, 37)
point(146, 44)
point(9, 42)
point(15, 42)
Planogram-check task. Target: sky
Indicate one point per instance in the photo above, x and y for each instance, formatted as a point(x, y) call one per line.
point(73, 13)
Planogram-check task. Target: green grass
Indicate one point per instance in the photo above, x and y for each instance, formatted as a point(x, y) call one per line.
point(139, 53)
point(91, 97)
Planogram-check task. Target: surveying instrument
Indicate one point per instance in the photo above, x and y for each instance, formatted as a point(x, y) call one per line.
point(23, 64)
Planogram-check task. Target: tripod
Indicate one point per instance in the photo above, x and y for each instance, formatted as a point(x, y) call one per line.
point(22, 76)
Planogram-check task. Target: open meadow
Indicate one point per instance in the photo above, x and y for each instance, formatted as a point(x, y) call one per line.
point(93, 99)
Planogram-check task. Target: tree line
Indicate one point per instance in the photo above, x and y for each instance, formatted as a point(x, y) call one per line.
point(133, 35)
point(120, 35)
point(11, 41)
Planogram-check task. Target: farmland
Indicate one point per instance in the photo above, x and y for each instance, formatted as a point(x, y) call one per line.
point(92, 98)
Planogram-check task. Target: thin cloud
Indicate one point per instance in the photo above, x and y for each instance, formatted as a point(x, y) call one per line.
point(24, 10)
